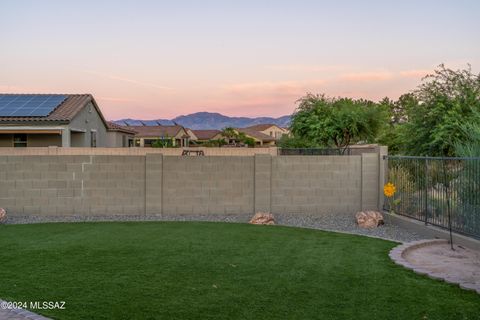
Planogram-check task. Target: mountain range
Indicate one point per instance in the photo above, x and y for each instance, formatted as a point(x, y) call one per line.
point(208, 120)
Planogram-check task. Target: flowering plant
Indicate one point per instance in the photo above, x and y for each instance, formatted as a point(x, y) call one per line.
point(389, 191)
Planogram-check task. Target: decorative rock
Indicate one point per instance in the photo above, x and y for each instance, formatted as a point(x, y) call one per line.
point(369, 219)
point(262, 218)
point(3, 215)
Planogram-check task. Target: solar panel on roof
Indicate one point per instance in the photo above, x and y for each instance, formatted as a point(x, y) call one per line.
point(29, 105)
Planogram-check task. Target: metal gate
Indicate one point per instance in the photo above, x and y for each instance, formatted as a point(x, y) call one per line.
point(443, 192)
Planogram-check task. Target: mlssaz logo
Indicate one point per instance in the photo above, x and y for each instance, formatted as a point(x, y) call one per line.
point(47, 305)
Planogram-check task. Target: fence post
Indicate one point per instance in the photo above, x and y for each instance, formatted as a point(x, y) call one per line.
point(382, 175)
point(426, 190)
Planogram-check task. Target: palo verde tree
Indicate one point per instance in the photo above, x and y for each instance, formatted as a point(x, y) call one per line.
point(336, 122)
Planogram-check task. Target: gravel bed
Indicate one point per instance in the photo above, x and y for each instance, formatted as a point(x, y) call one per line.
point(346, 223)
point(331, 222)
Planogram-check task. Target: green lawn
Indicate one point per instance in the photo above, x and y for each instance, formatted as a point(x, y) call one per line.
point(189, 270)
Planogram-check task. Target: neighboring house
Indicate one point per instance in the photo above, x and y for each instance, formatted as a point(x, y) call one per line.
point(146, 135)
point(202, 136)
point(271, 130)
point(120, 136)
point(62, 120)
point(191, 134)
point(260, 138)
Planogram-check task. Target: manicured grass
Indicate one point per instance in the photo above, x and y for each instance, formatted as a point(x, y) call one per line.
point(188, 270)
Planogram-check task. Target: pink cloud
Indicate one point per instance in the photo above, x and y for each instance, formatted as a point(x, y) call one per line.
point(367, 76)
point(307, 68)
point(128, 80)
point(265, 89)
point(114, 99)
point(416, 73)
point(24, 89)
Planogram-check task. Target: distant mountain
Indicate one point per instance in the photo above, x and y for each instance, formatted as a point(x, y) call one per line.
point(208, 120)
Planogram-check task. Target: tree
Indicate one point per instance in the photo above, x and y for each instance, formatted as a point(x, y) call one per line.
point(390, 133)
point(339, 122)
point(443, 103)
point(233, 135)
point(215, 143)
point(470, 146)
point(166, 142)
point(290, 141)
point(230, 134)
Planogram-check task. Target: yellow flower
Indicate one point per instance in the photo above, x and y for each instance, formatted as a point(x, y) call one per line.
point(389, 190)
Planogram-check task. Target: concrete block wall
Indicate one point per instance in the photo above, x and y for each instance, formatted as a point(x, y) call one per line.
point(72, 185)
point(59, 151)
point(242, 152)
point(316, 184)
point(208, 185)
point(156, 184)
point(263, 180)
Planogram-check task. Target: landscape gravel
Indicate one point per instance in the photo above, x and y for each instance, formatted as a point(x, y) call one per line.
point(330, 222)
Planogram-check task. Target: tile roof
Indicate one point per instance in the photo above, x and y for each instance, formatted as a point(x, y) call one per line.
point(156, 131)
point(65, 112)
point(256, 134)
point(112, 126)
point(262, 127)
point(206, 134)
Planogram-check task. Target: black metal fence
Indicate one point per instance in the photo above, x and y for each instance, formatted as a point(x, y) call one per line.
point(444, 192)
point(314, 152)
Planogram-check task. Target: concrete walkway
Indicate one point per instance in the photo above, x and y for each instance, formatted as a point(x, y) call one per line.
point(437, 260)
point(17, 314)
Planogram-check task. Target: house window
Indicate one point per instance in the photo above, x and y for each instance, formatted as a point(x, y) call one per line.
point(19, 140)
point(93, 139)
point(271, 133)
point(148, 142)
point(124, 141)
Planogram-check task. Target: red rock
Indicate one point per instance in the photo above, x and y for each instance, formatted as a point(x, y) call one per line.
point(262, 218)
point(3, 215)
point(369, 219)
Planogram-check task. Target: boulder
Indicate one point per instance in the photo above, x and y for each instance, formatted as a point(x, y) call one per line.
point(3, 215)
point(369, 219)
point(262, 218)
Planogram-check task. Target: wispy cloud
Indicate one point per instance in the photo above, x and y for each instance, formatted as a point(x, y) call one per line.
point(115, 99)
point(307, 68)
point(367, 76)
point(23, 89)
point(284, 88)
point(128, 80)
point(415, 73)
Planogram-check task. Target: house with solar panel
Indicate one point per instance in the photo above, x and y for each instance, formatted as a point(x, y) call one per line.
point(61, 120)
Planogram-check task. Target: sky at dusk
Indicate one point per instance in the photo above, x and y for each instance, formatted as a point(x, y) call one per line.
point(161, 59)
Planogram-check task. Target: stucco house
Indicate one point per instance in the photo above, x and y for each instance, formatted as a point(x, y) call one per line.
point(202, 136)
point(271, 130)
point(191, 134)
point(175, 136)
point(260, 138)
point(62, 120)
